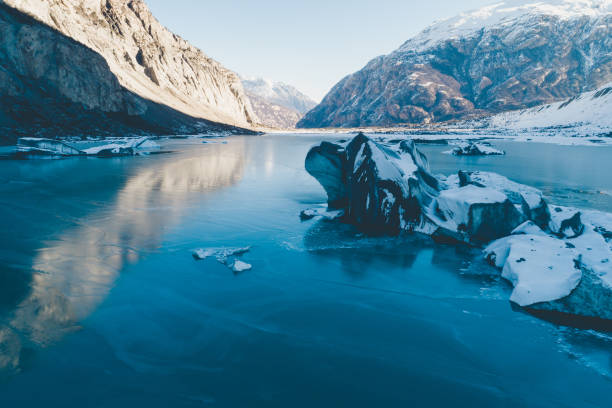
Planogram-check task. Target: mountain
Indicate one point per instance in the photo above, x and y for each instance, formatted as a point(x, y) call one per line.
point(279, 94)
point(589, 114)
point(277, 104)
point(510, 55)
point(272, 115)
point(105, 66)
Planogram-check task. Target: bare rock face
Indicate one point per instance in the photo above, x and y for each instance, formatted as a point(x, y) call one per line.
point(273, 115)
point(512, 55)
point(111, 63)
point(277, 104)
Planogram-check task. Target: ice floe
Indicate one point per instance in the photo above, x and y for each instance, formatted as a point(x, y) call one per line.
point(475, 149)
point(226, 256)
point(29, 147)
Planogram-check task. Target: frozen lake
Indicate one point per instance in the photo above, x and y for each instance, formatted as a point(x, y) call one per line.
point(102, 303)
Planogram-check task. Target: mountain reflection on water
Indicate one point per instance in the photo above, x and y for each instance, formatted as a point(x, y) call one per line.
point(75, 268)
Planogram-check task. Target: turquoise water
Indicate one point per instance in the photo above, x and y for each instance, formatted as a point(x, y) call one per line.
point(102, 304)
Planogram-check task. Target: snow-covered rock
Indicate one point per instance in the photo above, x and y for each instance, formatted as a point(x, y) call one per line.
point(380, 188)
point(530, 200)
point(541, 268)
point(476, 149)
point(474, 214)
point(388, 188)
point(514, 54)
point(566, 222)
point(545, 268)
point(550, 255)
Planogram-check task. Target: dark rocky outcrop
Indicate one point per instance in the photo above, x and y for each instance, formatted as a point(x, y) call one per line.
point(386, 188)
point(381, 189)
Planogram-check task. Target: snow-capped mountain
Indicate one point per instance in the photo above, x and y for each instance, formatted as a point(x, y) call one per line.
point(589, 114)
point(510, 55)
point(277, 104)
point(279, 93)
point(272, 115)
point(71, 64)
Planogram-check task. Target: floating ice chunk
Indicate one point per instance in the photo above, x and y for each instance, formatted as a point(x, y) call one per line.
point(476, 149)
point(541, 268)
point(32, 146)
point(226, 256)
point(323, 212)
point(220, 254)
point(127, 147)
point(240, 266)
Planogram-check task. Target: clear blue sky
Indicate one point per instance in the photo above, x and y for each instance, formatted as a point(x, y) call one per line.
point(309, 44)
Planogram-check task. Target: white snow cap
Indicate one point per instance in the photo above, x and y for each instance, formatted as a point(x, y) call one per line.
point(504, 13)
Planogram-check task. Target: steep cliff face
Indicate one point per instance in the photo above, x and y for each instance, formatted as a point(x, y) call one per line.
point(511, 55)
point(69, 64)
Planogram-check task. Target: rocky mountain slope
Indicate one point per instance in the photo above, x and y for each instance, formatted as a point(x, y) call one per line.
point(99, 66)
point(277, 104)
point(279, 94)
point(272, 115)
point(589, 114)
point(511, 55)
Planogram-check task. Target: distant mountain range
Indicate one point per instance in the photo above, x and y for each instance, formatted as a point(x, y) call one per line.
point(277, 104)
point(508, 56)
point(72, 67)
point(86, 68)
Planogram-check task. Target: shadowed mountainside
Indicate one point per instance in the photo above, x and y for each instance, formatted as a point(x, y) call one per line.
point(53, 84)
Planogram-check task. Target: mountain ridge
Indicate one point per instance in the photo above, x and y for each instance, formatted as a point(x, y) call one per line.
point(157, 69)
point(508, 56)
point(277, 104)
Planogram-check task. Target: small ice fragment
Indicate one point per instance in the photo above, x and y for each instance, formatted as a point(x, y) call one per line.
point(240, 266)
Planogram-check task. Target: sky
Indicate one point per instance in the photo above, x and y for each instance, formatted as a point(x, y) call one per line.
point(308, 44)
